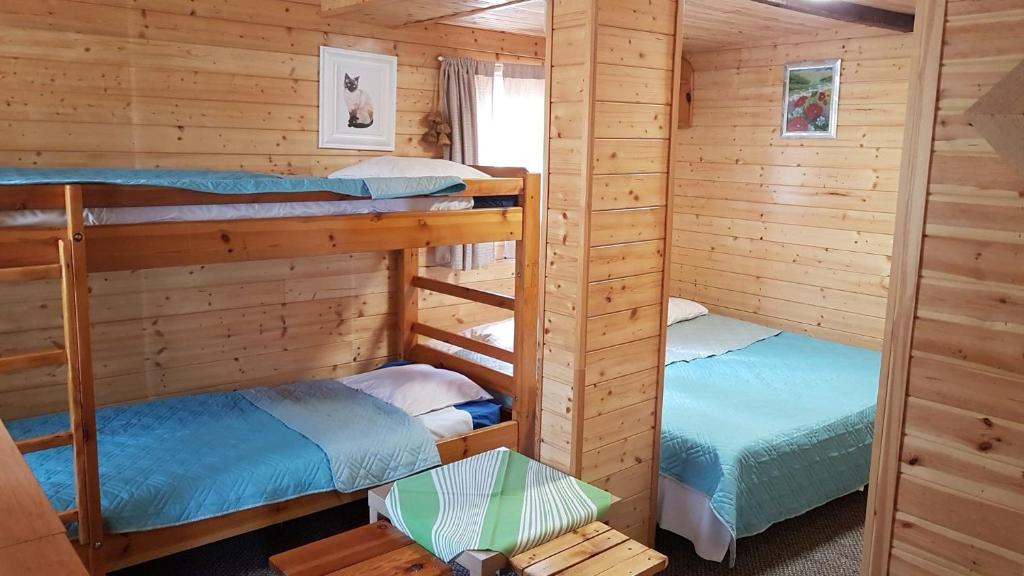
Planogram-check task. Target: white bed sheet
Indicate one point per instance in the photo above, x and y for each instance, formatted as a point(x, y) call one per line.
point(687, 512)
point(447, 422)
point(98, 216)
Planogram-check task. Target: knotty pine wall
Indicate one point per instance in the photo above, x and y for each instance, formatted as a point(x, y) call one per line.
point(791, 233)
point(954, 449)
point(611, 69)
point(220, 84)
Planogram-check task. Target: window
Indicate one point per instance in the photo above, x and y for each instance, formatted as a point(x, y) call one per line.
point(510, 117)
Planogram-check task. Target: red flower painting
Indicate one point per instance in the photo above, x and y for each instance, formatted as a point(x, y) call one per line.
point(809, 102)
point(797, 125)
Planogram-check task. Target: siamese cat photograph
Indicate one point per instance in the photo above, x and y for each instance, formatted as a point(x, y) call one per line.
point(359, 104)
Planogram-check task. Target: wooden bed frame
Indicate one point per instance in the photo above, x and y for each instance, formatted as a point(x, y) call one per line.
point(70, 253)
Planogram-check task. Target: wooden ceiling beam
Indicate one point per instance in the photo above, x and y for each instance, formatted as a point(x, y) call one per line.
point(342, 7)
point(463, 14)
point(848, 12)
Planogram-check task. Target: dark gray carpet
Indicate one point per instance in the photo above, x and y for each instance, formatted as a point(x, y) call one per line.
point(823, 541)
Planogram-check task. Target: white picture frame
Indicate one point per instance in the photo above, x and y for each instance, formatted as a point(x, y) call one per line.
point(810, 107)
point(362, 118)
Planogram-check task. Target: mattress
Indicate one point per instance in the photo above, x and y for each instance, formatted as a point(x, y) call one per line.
point(764, 433)
point(236, 182)
point(179, 460)
point(206, 212)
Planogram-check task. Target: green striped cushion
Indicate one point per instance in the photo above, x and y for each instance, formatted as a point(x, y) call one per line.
point(499, 500)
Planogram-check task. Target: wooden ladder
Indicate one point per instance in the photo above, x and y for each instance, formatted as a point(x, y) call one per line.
point(67, 263)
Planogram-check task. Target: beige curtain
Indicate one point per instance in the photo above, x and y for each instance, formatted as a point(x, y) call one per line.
point(466, 86)
point(496, 113)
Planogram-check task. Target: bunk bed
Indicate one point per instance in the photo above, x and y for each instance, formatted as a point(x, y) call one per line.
point(69, 253)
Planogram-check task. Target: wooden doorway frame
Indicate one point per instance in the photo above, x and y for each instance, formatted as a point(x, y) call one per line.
point(915, 170)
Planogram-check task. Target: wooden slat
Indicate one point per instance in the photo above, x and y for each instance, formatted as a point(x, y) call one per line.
point(463, 342)
point(540, 553)
point(32, 360)
point(155, 245)
point(465, 293)
point(482, 375)
point(340, 551)
point(47, 442)
point(68, 516)
point(30, 273)
point(504, 435)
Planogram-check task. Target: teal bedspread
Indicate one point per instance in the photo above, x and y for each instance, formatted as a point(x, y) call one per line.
point(217, 182)
point(772, 430)
point(179, 460)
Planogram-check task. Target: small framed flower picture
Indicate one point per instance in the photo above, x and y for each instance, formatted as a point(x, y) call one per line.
point(811, 99)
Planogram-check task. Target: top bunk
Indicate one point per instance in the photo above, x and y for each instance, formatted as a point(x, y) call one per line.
point(136, 219)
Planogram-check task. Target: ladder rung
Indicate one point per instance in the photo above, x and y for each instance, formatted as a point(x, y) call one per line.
point(68, 516)
point(28, 273)
point(47, 442)
point(33, 360)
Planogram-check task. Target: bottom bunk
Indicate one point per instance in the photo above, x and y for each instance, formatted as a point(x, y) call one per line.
point(180, 472)
point(758, 426)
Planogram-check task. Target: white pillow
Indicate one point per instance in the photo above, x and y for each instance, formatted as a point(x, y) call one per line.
point(417, 388)
point(501, 333)
point(680, 309)
point(401, 166)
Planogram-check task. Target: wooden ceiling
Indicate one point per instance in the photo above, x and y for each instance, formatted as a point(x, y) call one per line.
point(717, 24)
point(710, 24)
point(521, 16)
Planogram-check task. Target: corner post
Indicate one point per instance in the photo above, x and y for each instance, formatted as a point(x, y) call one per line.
point(81, 392)
point(526, 368)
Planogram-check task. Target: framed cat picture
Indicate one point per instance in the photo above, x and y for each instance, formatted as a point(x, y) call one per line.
point(358, 91)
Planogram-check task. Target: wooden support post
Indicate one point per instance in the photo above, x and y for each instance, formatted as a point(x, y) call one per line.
point(526, 368)
point(406, 301)
point(81, 398)
point(608, 212)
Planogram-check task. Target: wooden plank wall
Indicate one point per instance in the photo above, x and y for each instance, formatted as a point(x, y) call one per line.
point(611, 70)
point(223, 85)
point(959, 502)
point(791, 233)
point(202, 84)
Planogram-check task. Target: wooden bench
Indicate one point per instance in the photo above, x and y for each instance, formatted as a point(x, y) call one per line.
point(593, 550)
point(377, 549)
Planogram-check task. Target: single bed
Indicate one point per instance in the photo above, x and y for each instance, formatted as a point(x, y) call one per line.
point(758, 427)
point(179, 460)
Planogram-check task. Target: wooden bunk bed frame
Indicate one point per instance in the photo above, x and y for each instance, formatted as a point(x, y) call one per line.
point(70, 253)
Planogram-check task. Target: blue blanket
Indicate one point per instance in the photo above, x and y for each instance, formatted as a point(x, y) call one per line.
point(179, 460)
point(773, 430)
point(217, 182)
point(367, 441)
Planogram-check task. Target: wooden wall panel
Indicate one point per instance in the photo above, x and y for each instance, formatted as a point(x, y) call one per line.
point(608, 196)
point(225, 326)
point(791, 233)
point(948, 486)
point(203, 84)
point(217, 85)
